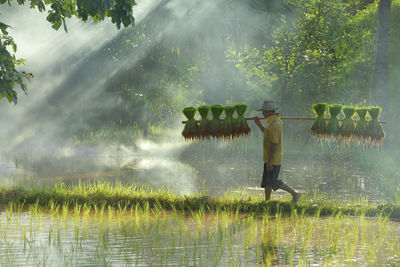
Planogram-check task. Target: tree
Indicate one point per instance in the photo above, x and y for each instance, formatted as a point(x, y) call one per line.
point(120, 12)
point(379, 88)
point(302, 61)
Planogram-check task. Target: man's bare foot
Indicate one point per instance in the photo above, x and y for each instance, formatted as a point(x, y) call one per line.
point(296, 197)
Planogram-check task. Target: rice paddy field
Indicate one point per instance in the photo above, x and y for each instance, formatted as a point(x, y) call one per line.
point(103, 224)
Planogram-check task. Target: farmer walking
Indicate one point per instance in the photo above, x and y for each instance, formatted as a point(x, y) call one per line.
point(272, 151)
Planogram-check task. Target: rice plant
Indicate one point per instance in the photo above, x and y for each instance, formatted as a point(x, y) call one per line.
point(204, 124)
point(227, 126)
point(141, 235)
point(333, 127)
point(191, 128)
point(215, 124)
point(347, 129)
point(361, 126)
point(241, 126)
point(319, 128)
point(374, 127)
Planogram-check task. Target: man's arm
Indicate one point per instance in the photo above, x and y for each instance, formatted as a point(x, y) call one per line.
point(258, 123)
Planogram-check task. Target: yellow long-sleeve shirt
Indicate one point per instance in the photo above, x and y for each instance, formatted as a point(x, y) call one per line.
point(273, 134)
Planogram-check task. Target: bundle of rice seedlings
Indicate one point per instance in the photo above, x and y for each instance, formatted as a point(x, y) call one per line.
point(361, 126)
point(215, 123)
point(319, 126)
point(204, 124)
point(241, 126)
point(374, 127)
point(347, 130)
point(191, 129)
point(333, 128)
point(227, 126)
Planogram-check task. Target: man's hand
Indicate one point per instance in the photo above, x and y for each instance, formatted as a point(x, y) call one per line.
point(269, 166)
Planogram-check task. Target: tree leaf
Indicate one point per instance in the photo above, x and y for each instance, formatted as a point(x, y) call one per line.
point(3, 28)
point(57, 25)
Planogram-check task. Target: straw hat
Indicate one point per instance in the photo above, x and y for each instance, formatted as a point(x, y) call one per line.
point(268, 105)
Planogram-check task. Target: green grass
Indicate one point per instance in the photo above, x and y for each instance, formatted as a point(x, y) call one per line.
point(114, 195)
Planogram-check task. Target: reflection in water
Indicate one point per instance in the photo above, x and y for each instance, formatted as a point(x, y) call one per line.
point(141, 237)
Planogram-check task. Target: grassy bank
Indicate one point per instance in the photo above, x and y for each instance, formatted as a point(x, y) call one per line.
point(122, 195)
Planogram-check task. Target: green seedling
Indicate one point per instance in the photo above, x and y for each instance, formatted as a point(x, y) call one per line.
point(215, 124)
point(204, 124)
point(361, 126)
point(374, 127)
point(319, 128)
point(227, 126)
point(347, 129)
point(241, 128)
point(191, 130)
point(333, 128)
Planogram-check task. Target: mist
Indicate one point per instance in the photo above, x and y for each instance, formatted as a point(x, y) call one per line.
point(72, 73)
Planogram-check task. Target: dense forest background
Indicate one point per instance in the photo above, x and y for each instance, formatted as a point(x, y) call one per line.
point(297, 53)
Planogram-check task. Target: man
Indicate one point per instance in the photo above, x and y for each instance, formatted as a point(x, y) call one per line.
point(272, 151)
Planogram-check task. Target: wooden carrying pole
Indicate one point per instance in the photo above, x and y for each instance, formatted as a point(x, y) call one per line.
point(286, 118)
point(290, 118)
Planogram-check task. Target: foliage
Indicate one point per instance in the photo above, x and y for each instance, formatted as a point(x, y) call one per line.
point(162, 74)
point(120, 12)
point(9, 76)
point(304, 51)
point(324, 50)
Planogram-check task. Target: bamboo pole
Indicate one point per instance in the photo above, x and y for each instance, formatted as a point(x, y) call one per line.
point(287, 118)
point(291, 118)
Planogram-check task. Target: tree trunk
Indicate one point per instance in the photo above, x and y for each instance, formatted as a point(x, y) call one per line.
point(379, 88)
